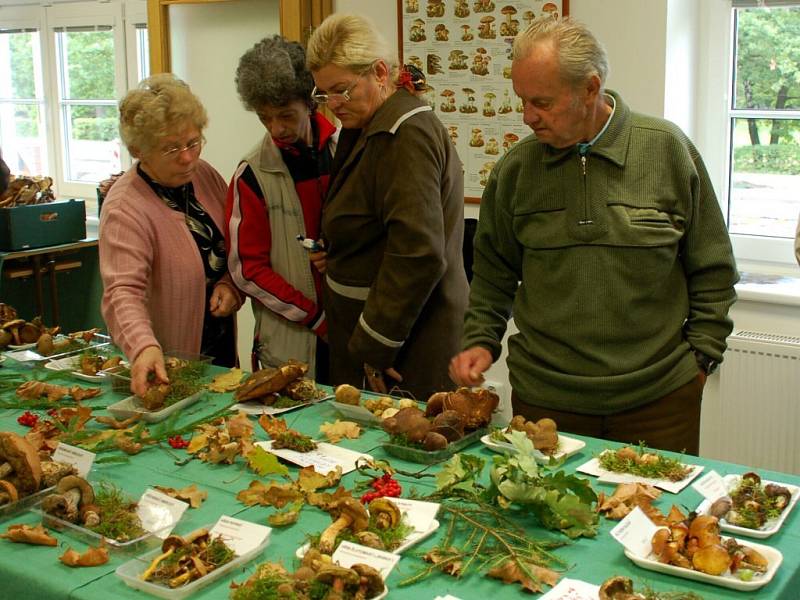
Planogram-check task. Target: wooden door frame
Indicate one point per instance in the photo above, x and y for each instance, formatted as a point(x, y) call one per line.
point(298, 18)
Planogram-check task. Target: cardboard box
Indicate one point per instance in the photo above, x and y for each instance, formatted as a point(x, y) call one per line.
point(38, 225)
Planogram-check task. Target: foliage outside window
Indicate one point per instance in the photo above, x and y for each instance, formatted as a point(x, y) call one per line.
point(765, 122)
point(22, 102)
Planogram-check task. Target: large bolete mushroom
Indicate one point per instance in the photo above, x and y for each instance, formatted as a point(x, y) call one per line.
point(348, 513)
point(72, 494)
point(385, 513)
point(19, 463)
point(370, 581)
point(338, 578)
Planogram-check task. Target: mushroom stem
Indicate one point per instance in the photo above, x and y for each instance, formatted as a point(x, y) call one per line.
point(154, 565)
point(5, 470)
point(328, 537)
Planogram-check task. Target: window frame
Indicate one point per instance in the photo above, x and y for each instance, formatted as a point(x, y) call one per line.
point(760, 253)
point(121, 16)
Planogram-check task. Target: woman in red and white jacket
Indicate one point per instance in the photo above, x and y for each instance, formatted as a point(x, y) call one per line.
point(275, 203)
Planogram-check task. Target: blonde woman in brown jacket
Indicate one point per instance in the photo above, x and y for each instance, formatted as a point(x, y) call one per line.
point(395, 288)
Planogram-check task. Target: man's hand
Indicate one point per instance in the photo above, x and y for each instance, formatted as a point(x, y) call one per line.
point(376, 381)
point(150, 360)
point(318, 259)
point(467, 367)
point(223, 301)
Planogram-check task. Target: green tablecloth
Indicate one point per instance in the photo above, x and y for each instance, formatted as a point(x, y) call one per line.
point(34, 572)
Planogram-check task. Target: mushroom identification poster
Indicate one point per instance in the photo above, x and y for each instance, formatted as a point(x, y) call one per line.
point(464, 49)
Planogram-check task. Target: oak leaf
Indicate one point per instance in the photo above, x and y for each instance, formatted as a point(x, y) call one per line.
point(93, 557)
point(309, 480)
point(190, 494)
point(272, 426)
point(240, 426)
point(25, 534)
point(265, 463)
point(226, 382)
point(511, 572)
point(286, 517)
point(340, 429)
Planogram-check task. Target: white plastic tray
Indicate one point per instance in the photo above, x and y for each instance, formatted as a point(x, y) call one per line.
point(773, 556)
point(72, 364)
point(9, 510)
point(567, 446)
point(770, 527)
point(412, 538)
point(129, 573)
point(592, 467)
point(254, 408)
point(132, 406)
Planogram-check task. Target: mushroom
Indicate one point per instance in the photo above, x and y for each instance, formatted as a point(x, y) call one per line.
point(19, 457)
point(338, 578)
point(30, 332)
point(370, 581)
point(348, 513)
point(72, 494)
point(13, 326)
point(385, 513)
point(9, 493)
point(616, 588)
point(370, 539)
point(434, 441)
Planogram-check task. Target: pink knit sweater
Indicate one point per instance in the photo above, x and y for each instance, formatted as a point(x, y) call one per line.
point(153, 277)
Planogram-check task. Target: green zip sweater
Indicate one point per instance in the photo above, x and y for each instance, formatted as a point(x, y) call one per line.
point(616, 268)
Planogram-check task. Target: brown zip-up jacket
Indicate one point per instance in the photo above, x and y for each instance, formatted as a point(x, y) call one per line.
point(395, 291)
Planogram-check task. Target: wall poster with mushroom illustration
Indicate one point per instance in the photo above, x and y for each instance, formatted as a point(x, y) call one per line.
point(464, 49)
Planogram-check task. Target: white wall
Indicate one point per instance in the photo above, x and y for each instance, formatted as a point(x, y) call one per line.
point(207, 41)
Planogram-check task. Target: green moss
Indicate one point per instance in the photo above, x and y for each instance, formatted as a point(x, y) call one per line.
point(118, 518)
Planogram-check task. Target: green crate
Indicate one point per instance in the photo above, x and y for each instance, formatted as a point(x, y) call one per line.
point(38, 225)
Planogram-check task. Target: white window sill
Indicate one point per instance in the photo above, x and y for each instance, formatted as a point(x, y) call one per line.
point(771, 288)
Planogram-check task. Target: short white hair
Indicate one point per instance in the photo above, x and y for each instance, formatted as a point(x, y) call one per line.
point(351, 42)
point(580, 54)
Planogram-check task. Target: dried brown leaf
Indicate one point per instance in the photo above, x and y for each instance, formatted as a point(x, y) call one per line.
point(25, 534)
point(190, 494)
point(116, 423)
point(309, 480)
point(510, 572)
point(272, 426)
point(340, 429)
point(93, 557)
point(240, 426)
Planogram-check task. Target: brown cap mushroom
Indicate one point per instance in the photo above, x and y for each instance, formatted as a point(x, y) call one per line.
point(338, 578)
point(348, 513)
point(385, 513)
point(13, 326)
point(370, 581)
point(8, 494)
point(615, 588)
point(19, 463)
point(72, 493)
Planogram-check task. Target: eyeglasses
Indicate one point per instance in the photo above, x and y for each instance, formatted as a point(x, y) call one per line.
point(341, 97)
point(175, 151)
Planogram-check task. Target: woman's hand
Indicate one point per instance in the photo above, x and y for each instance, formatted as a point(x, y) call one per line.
point(223, 301)
point(376, 381)
point(319, 260)
point(150, 360)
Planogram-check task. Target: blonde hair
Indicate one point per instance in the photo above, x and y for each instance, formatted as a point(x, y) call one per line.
point(580, 54)
point(160, 106)
point(351, 42)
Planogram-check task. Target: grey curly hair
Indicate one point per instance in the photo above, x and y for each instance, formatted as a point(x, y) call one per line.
point(273, 73)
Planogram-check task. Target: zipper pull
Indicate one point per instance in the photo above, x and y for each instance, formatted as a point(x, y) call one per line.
point(583, 164)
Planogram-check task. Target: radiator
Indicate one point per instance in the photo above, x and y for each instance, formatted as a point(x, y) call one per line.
point(755, 418)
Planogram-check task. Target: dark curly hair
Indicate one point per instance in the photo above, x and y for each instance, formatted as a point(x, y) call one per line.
point(274, 73)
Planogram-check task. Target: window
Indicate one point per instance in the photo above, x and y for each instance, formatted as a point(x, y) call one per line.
point(764, 127)
point(22, 125)
point(63, 68)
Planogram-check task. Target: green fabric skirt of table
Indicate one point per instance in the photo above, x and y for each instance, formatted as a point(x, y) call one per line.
point(35, 572)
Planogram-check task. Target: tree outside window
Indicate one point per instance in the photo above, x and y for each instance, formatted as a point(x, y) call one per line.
point(765, 123)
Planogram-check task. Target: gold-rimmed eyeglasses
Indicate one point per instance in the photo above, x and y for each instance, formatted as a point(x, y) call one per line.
point(194, 146)
point(341, 97)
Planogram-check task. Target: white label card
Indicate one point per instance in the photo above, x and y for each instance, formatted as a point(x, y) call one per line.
point(326, 458)
point(711, 486)
point(418, 514)
point(159, 513)
point(572, 589)
point(635, 532)
point(241, 536)
point(348, 554)
point(79, 458)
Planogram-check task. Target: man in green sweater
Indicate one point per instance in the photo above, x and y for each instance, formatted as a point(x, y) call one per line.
point(603, 234)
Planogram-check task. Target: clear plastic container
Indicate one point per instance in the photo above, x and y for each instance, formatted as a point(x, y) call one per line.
point(120, 375)
point(149, 539)
point(417, 455)
point(132, 406)
point(10, 510)
point(130, 571)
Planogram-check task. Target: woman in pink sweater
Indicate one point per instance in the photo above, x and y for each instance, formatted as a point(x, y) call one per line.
point(162, 251)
